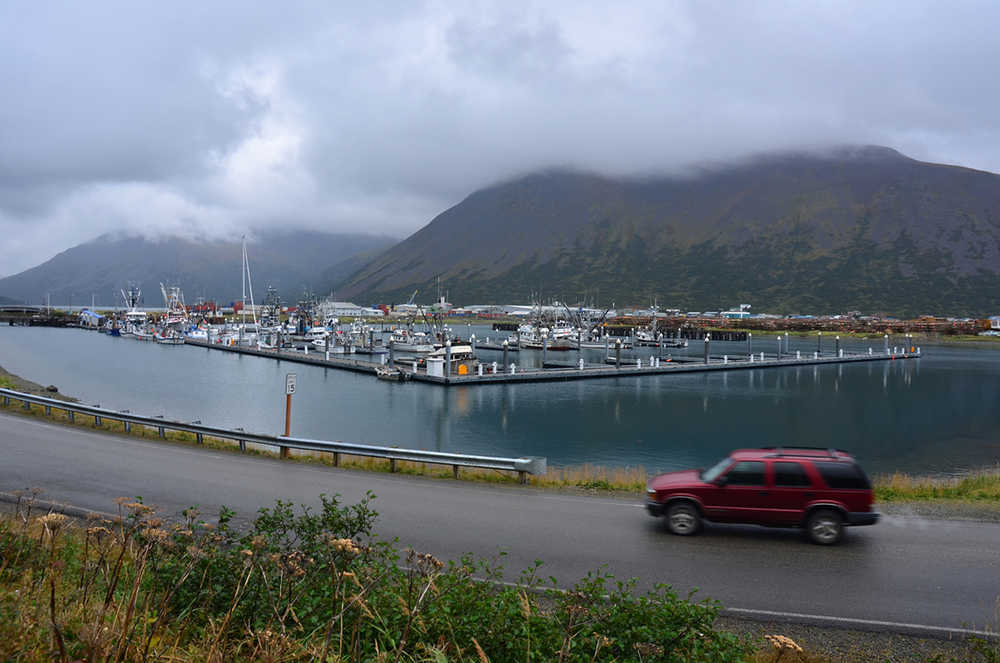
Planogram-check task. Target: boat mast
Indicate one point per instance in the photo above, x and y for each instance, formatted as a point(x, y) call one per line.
point(243, 275)
point(246, 261)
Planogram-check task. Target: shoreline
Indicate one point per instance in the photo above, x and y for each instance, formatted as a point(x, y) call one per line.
point(973, 495)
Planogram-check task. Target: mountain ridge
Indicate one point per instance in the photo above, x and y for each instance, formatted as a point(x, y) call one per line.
point(858, 228)
point(288, 260)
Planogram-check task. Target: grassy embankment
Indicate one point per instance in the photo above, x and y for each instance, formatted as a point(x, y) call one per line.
point(316, 585)
point(301, 585)
point(980, 487)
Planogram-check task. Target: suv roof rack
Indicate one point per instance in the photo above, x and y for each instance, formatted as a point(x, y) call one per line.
point(793, 451)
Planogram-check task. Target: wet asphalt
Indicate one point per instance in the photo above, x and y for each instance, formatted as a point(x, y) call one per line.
point(905, 570)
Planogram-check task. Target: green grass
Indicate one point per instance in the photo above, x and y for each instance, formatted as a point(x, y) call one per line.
point(982, 486)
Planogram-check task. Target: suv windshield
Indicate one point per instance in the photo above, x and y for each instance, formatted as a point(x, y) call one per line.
point(710, 474)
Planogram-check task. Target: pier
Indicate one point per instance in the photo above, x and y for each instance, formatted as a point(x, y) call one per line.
point(616, 366)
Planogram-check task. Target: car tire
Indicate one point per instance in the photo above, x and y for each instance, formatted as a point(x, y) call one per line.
point(683, 519)
point(825, 527)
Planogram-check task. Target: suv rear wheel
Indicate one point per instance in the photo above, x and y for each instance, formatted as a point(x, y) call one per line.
point(683, 519)
point(825, 526)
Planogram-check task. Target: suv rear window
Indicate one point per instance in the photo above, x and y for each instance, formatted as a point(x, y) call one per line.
point(790, 474)
point(843, 475)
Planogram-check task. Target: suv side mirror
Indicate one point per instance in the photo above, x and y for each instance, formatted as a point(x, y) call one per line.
point(721, 481)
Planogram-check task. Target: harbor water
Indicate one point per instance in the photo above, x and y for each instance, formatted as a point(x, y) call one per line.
point(936, 414)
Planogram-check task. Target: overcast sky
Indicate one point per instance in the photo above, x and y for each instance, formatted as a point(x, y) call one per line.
point(212, 118)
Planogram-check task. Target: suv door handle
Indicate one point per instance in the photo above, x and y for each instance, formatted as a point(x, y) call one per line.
point(762, 492)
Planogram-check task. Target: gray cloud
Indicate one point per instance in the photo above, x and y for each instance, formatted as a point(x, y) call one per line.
point(214, 118)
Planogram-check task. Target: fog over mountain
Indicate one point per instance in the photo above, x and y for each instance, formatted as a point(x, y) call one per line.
point(858, 228)
point(209, 120)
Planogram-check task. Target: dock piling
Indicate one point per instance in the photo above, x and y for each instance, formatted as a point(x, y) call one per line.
point(749, 346)
point(708, 339)
point(819, 343)
point(837, 347)
point(506, 345)
point(618, 353)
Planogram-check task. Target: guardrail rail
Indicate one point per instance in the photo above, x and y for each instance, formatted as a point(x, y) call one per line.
point(534, 465)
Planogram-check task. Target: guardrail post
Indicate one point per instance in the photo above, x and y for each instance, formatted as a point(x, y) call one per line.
point(97, 420)
point(336, 459)
point(48, 410)
point(392, 465)
point(27, 405)
point(6, 401)
point(71, 416)
point(522, 476)
point(454, 471)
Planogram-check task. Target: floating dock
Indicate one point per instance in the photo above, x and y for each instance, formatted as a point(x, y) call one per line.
point(564, 372)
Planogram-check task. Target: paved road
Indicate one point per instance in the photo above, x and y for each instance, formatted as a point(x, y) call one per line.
point(904, 571)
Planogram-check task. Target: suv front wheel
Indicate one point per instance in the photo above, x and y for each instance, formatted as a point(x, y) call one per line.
point(825, 526)
point(683, 519)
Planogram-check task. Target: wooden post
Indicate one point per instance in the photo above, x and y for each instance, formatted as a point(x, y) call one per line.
point(289, 390)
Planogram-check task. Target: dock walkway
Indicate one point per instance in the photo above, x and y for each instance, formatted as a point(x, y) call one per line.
point(563, 372)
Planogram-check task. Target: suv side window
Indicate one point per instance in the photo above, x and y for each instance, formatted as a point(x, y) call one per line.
point(746, 473)
point(843, 475)
point(790, 474)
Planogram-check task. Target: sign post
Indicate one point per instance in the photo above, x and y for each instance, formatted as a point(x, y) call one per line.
point(289, 390)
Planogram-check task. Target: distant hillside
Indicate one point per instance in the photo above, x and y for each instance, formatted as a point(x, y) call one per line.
point(861, 228)
point(5, 301)
point(290, 261)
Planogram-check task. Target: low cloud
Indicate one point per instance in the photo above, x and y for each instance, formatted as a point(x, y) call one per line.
point(214, 120)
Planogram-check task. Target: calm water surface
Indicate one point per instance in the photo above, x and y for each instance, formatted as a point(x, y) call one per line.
point(936, 414)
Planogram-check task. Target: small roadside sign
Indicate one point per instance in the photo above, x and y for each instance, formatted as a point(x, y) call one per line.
point(289, 384)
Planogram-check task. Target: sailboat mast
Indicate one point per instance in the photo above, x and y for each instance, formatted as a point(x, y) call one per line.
point(243, 274)
point(246, 260)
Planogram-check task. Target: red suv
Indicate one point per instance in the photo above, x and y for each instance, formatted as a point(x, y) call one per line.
point(821, 490)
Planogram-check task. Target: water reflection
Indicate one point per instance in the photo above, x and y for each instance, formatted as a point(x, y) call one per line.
point(935, 414)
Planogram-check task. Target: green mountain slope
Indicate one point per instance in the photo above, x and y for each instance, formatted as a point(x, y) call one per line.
point(288, 260)
point(859, 228)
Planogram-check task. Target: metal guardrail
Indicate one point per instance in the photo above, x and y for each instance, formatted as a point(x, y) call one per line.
point(535, 465)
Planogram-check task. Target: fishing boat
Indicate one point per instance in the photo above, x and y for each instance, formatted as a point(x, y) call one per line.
point(463, 361)
point(405, 340)
point(389, 374)
point(168, 338)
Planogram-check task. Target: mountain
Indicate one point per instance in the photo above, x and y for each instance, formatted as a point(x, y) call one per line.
point(856, 228)
point(288, 260)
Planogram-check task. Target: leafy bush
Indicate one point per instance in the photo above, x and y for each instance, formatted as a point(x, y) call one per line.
point(304, 584)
